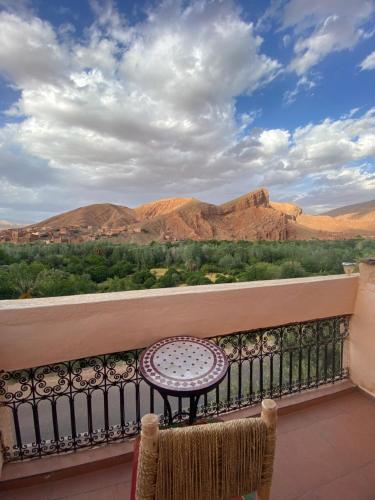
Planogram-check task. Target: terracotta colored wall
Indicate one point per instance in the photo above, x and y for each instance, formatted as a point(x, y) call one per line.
point(362, 331)
point(41, 331)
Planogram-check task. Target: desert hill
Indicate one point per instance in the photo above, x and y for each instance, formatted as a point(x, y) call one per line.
point(358, 209)
point(160, 207)
point(98, 215)
point(345, 222)
point(287, 208)
point(250, 217)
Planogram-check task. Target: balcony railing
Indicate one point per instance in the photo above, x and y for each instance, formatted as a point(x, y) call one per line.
point(77, 404)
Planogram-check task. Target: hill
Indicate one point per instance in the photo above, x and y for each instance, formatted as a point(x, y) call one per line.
point(358, 209)
point(344, 222)
point(249, 217)
point(160, 207)
point(98, 215)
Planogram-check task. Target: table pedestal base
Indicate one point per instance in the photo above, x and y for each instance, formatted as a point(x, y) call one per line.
point(194, 400)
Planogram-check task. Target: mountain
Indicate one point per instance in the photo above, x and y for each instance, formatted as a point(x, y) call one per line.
point(287, 208)
point(356, 210)
point(250, 217)
point(98, 215)
point(345, 222)
point(160, 207)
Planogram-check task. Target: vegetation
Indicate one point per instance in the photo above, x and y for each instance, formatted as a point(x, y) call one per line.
point(39, 270)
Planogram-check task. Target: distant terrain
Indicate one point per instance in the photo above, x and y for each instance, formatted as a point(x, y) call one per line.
point(6, 224)
point(40, 270)
point(250, 217)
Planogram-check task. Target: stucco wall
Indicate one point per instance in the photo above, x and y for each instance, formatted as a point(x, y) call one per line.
point(362, 331)
point(41, 331)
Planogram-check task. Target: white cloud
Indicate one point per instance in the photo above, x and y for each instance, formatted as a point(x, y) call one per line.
point(315, 154)
point(303, 84)
point(322, 27)
point(346, 185)
point(29, 51)
point(369, 62)
point(128, 108)
point(128, 114)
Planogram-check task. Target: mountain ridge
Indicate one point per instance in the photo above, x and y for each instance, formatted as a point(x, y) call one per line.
point(249, 217)
point(354, 209)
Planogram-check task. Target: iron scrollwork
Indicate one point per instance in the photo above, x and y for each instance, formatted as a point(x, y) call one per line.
point(79, 403)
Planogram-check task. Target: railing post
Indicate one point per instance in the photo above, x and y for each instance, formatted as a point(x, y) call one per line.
point(362, 330)
point(269, 417)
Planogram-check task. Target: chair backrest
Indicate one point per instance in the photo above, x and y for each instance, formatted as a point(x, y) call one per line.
point(212, 461)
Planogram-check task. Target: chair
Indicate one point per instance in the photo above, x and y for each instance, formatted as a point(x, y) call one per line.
point(216, 461)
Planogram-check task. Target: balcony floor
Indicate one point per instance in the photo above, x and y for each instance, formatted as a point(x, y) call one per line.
point(325, 451)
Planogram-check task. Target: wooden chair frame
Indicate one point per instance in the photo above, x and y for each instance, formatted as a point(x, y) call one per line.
point(150, 439)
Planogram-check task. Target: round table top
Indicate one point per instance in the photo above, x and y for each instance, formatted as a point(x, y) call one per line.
point(183, 364)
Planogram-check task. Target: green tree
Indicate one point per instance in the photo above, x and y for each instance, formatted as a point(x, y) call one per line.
point(227, 263)
point(22, 278)
point(140, 277)
point(197, 278)
point(122, 269)
point(54, 282)
point(6, 289)
point(292, 269)
point(221, 278)
point(4, 257)
point(115, 284)
point(260, 271)
point(170, 279)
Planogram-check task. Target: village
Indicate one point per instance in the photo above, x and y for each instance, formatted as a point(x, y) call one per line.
point(69, 234)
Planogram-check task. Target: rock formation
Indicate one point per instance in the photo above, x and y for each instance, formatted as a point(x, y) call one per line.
point(249, 217)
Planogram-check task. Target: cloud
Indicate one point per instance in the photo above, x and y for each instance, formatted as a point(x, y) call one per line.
point(347, 185)
point(310, 158)
point(129, 107)
point(303, 84)
point(322, 27)
point(21, 7)
point(369, 62)
point(29, 52)
point(131, 113)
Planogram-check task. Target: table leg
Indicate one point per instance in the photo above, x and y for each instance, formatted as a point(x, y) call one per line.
point(193, 409)
point(168, 406)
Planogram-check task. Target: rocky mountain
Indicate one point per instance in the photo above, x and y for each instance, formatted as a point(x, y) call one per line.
point(160, 207)
point(345, 222)
point(96, 216)
point(356, 210)
point(250, 217)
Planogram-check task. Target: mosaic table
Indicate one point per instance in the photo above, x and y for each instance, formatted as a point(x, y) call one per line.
point(183, 367)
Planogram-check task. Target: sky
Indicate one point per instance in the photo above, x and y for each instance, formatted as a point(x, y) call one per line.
point(120, 101)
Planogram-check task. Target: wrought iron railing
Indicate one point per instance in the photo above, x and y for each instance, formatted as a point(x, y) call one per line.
point(80, 403)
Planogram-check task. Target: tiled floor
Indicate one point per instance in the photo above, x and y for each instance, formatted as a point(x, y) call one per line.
point(324, 452)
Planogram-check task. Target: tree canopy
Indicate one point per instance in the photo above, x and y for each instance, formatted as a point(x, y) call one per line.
point(39, 270)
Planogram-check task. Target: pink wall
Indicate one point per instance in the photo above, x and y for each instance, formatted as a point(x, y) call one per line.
point(40, 331)
point(362, 331)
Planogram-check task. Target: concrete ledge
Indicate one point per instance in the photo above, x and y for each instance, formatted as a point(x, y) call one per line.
point(36, 332)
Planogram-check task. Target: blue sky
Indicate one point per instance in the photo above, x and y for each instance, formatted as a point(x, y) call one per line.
point(126, 102)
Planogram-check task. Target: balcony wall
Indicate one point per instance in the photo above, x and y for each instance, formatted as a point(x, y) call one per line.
point(40, 331)
point(362, 330)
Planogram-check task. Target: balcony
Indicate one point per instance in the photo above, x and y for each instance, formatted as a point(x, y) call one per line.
point(68, 422)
